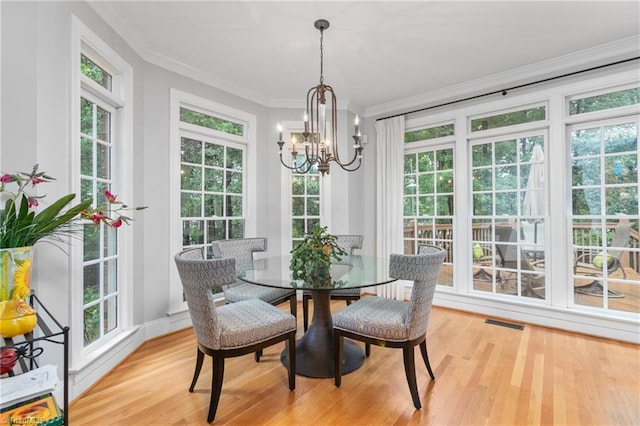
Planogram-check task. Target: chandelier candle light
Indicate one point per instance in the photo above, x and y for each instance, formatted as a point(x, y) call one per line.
point(321, 137)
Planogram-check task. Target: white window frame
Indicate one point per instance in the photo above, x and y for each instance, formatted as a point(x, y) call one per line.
point(179, 99)
point(85, 41)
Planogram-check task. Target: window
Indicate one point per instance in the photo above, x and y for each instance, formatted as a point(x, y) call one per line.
point(509, 205)
point(212, 175)
point(102, 263)
point(428, 202)
point(100, 278)
point(604, 194)
point(212, 194)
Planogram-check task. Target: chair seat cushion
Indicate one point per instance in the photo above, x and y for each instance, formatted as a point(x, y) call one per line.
point(375, 317)
point(245, 291)
point(251, 321)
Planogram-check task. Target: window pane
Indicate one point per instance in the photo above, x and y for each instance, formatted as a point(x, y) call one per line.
point(429, 133)
point(91, 242)
point(110, 241)
point(508, 119)
point(236, 228)
point(234, 159)
point(86, 156)
point(91, 282)
point(213, 180)
point(409, 163)
point(95, 73)
point(313, 206)
point(620, 138)
point(216, 230)
point(234, 205)
point(110, 314)
point(103, 160)
point(110, 271)
point(585, 142)
point(191, 204)
point(213, 205)
point(606, 101)
point(191, 151)
point(103, 125)
point(86, 117)
point(482, 155)
point(192, 232)
point(211, 122)
point(426, 163)
point(213, 155)
point(91, 324)
point(191, 178)
point(234, 182)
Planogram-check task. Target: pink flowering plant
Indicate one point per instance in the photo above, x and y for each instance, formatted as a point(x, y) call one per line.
point(21, 226)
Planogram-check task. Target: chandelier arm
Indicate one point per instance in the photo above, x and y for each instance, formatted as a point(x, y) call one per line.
point(344, 166)
point(297, 169)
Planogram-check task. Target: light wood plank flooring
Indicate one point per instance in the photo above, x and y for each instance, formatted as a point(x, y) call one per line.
point(485, 374)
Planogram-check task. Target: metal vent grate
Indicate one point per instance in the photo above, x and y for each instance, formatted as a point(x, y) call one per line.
point(505, 324)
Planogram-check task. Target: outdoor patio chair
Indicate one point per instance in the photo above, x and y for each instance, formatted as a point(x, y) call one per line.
point(393, 323)
point(242, 250)
point(347, 243)
point(594, 262)
point(229, 330)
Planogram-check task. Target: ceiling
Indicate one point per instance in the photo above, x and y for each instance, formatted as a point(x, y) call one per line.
point(375, 53)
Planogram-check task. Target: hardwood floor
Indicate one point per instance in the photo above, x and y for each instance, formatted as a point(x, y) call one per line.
point(485, 374)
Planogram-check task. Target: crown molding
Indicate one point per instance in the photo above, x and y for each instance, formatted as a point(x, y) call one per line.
point(599, 55)
point(105, 11)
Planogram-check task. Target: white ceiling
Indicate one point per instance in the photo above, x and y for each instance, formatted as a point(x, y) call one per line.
point(376, 52)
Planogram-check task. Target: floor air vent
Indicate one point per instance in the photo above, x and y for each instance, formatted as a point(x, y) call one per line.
point(505, 324)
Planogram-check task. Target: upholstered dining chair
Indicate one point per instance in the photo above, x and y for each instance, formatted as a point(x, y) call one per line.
point(229, 330)
point(348, 243)
point(393, 323)
point(242, 250)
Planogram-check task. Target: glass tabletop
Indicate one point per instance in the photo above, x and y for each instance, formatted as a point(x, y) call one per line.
point(353, 271)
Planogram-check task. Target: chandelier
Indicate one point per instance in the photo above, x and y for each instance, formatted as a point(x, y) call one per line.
point(320, 136)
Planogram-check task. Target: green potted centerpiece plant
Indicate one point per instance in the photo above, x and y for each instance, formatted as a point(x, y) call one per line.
point(311, 258)
point(21, 227)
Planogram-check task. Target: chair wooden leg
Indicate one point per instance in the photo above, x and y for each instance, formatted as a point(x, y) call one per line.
point(196, 373)
point(293, 305)
point(367, 349)
point(337, 357)
point(291, 361)
point(257, 355)
point(410, 371)
point(305, 312)
point(425, 357)
point(216, 386)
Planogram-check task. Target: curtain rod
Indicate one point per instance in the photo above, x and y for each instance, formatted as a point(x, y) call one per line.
point(504, 91)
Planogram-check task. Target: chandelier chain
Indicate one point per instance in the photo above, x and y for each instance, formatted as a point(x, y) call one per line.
point(321, 57)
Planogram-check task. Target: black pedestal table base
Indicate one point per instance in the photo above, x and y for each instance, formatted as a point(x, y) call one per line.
point(315, 351)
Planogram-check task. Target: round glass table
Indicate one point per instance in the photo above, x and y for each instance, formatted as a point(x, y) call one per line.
point(314, 351)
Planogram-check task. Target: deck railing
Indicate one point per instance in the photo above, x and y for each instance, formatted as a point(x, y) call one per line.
point(583, 235)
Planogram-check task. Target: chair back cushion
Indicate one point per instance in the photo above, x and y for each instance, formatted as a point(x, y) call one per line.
point(241, 249)
point(423, 269)
point(349, 242)
point(199, 277)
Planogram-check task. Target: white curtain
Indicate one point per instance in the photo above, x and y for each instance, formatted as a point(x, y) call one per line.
point(389, 178)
